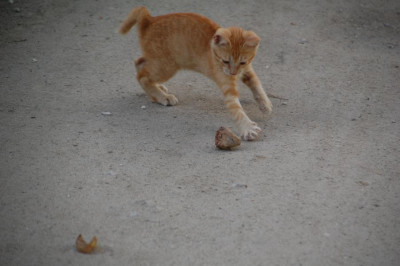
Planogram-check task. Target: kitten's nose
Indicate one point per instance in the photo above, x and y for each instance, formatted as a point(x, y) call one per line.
point(233, 70)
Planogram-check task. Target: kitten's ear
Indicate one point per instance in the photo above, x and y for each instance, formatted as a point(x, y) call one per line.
point(219, 40)
point(251, 39)
point(221, 37)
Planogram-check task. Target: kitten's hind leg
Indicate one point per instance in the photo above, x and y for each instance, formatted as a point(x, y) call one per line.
point(163, 88)
point(249, 77)
point(139, 64)
point(157, 92)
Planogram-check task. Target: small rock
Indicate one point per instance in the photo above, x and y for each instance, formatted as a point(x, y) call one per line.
point(363, 183)
point(390, 45)
point(112, 173)
point(143, 107)
point(303, 41)
point(237, 185)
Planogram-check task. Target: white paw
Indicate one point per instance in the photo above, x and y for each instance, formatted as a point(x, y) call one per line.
point(250, 132)
point(265, 106)
point(170, 100)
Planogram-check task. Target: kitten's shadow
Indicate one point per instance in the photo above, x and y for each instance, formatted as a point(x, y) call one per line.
point(205, 104)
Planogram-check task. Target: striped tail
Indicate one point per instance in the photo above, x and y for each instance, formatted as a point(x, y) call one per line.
point(136, 16)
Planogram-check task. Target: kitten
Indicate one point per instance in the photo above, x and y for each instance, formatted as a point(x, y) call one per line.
point(191, 41)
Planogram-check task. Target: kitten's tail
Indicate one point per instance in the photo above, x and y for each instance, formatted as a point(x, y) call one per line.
point(136, 16)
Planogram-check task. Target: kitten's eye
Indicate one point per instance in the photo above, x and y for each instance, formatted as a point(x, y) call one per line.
point(225, 62)
point(242, 63)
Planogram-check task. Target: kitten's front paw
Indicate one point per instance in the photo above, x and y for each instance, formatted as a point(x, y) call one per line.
point(250, 132)
point(265, 106)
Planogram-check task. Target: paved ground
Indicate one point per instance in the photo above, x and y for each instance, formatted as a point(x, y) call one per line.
point(320, 188)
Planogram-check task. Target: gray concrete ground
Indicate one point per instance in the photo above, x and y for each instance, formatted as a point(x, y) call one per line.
point(323, 182)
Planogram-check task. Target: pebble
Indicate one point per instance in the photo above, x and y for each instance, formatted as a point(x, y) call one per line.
point(237, 185)
point(302, 41)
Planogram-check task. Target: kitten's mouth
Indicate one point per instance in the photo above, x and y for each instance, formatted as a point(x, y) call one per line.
point(228, 72)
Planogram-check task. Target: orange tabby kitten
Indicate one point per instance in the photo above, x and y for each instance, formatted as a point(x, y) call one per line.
point(191, 41)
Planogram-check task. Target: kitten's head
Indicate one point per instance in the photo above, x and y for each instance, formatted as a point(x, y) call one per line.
point(234, 48)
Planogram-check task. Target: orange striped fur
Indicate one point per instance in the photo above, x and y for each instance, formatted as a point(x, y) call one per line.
point(190, 41)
